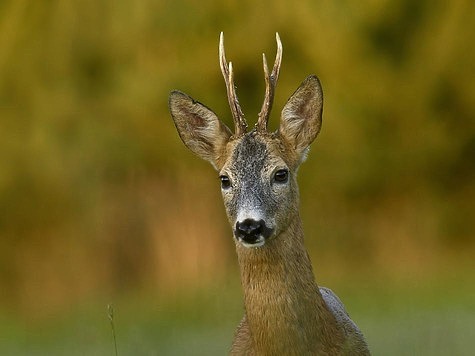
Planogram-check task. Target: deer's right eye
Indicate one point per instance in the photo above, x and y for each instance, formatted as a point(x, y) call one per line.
point(225, 181)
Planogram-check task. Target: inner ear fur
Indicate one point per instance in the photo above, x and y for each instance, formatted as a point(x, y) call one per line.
point(198, 126)
point(301, 117)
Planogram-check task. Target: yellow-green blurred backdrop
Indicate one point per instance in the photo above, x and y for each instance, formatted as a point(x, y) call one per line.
point(100, 201)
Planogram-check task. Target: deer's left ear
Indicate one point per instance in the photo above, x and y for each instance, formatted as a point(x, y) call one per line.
point(301, 118)
point(199, 127)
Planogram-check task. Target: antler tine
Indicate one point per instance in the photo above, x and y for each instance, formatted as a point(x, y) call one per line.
point(271, 83)
point(227, 70)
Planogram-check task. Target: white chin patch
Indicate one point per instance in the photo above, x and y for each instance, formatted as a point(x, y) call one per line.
point(259, 242)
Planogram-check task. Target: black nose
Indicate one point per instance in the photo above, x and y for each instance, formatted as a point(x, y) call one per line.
point(249, 230)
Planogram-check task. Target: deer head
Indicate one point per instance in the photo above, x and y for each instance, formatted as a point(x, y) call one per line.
point(258, 168)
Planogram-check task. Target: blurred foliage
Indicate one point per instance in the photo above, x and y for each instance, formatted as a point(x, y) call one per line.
point(98, 196)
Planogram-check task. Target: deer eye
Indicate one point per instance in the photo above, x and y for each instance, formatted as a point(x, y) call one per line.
point(281, 176)
point(225, 181)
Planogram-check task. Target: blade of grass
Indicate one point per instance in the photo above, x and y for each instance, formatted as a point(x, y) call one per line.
point(110, 313)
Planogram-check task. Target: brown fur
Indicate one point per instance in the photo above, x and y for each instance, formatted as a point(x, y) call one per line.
point(286, 313)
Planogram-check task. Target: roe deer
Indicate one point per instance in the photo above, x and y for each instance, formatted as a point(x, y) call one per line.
point(286, 313)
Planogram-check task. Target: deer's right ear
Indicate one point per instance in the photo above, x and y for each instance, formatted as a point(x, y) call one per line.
point(199, 127)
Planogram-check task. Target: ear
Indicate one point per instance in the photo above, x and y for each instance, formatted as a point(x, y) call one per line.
point(199, 127)
point(301, 118)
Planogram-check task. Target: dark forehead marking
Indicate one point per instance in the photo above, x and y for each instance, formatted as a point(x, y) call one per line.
point(250, 146)
point(250, 149)
point(250, 154)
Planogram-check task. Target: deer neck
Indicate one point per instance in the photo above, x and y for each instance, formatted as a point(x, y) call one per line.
point(284, 308)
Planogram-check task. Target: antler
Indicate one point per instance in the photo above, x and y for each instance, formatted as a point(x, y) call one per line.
point(271, 83)
point(238, 116)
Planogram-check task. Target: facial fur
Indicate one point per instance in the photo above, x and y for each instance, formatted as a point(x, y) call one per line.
point(253, 192)
point(257, 169)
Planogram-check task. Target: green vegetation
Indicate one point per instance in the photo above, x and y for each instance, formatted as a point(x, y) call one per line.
point(425, 320)
point(99, 200)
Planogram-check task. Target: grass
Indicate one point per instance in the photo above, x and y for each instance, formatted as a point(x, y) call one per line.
point(421, 332)
point(415, 321)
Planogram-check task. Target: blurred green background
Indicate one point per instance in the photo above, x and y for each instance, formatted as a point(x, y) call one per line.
point(101, 203)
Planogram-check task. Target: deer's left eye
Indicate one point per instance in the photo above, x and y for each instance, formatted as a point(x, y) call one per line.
point(281, 176)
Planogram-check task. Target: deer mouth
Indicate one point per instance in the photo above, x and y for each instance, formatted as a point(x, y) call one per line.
point(260, 241)
point(252, 233)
